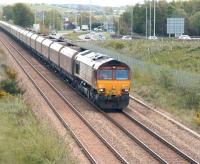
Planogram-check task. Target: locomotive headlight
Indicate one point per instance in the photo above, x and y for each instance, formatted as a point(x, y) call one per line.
point(125, 89)
point(101, 89)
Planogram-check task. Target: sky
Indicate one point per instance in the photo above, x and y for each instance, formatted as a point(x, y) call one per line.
point(94, 2)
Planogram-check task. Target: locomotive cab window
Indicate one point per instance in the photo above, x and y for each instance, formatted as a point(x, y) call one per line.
point(77, 68)
point(105, 75)
point(122, 74)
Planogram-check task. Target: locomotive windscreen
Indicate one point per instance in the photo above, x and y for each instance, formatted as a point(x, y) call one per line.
point(122, 74)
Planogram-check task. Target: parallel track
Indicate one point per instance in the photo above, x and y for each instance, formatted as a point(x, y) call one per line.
point(165, 116)
point(159, 138)
point(83, 147)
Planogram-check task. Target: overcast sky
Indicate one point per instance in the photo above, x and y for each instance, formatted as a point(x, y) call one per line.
point(95, 2)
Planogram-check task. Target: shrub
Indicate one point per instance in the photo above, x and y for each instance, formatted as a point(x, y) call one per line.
point(10, 86)
point(3, 93)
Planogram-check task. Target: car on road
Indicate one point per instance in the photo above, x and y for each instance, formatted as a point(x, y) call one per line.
point(126, 37)
point(153, 38)
point(87, 36)
point(184, 37)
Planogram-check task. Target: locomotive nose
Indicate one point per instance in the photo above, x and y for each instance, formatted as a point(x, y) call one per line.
point(113, 87)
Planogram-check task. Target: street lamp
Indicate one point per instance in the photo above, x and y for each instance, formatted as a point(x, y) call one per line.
point(90, 15)
point(146, 21)
point(132, 22)
point(150, 20)
point(154, 26)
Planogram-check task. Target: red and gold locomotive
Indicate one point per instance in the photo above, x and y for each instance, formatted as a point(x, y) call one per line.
point(102, 79)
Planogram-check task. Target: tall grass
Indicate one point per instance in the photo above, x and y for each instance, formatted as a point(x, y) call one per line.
point(181, 55)
point(23, 140)
point(184, 103)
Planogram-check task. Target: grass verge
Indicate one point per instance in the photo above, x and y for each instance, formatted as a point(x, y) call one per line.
point(184, 104)
point(23, 139)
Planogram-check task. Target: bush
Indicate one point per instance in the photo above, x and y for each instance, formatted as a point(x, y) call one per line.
point(3, 93)
point(10, 86)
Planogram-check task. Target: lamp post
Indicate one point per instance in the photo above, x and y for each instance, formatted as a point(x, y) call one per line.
point(154, 26)
point(132, 22)
point(146, 21)
point(90, 15)
point(150, 20)
point(35, 16)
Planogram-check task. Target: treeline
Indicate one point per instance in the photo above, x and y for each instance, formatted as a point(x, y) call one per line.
point(190, 10)
point(20, 14)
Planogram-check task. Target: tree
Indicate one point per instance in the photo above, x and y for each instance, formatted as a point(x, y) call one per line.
point(185, 9)
point(53, 20)
point(195, 24)
point(22, 15)
point(7, 12)
point(84, 19)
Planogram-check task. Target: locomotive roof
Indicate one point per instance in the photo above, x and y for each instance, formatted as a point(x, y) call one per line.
point(93, 59)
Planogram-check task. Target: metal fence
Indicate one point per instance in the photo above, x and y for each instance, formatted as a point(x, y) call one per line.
point(181, 79)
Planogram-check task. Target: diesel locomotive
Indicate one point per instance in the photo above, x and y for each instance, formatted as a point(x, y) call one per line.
point(102, 79)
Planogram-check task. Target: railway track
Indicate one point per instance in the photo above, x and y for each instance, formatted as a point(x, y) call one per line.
point(182, 137)
point(165, 116)
point(162, 142)
point(130, 133)
point(60, 106)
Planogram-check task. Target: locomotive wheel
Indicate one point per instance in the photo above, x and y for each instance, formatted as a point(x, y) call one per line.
point(92, 95)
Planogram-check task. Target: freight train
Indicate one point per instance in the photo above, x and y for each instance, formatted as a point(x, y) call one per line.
point(102, 79)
